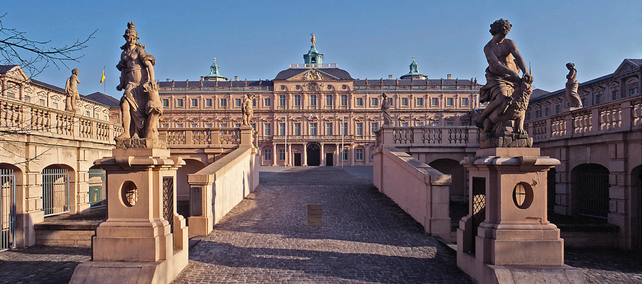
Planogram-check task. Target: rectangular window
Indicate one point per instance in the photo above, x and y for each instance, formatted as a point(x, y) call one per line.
point(546, 112)
point(55, 105)
point(267, 129)
point(359, 154)
point(297, 100)
point(267, 154)
point(223, 102)
point(328, 100)
point(420, 124)
point(633, 91)
point(374, 102)
point(297, 129)
point(435, 102)
point(375, 127)
point(281, 154)
point(464, 102)
point(223, 125)
point(558, 109)
point(266, 102)
point(449, 101)
point(313, 129)
point(538, 113)
point(87, 113)
point(237, 102)
point(598, 99)
point(404, 101)
point(313, 100)
point(179, 125)
point(208, 125)
point(614, 94)
point(328, 129)
point(194, 125)
point(254, 126)
point(165, 125)
point(584, 101)
point(390, 101)
point(359, 101)
point(194, 102)
point(359, 129)
point(179, 103)
point(344, 155)
point(449, 123)
point(281, 129)
point(11, 95)
point(344, 100)
point(282, 100)
point(254, 102)
point(27, 99)
point(165, 103)
point(208, 102)
point(420, 101)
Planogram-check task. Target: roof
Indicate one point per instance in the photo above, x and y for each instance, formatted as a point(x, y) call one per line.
point(408, 82)
point(334, 72)
point(197, 84)
point(48, 86)
point(5, 68)
point(560, 91)
point(104, 99)
point(637, 62)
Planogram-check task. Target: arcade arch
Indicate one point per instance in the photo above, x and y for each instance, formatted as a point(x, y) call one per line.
point(590, 188)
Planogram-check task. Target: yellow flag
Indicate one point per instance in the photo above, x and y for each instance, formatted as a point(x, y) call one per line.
point(103, 78)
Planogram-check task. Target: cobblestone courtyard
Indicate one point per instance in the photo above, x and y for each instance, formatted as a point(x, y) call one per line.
point(366, 238)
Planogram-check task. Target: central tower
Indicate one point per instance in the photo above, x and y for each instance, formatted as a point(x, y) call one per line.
point(313, 57)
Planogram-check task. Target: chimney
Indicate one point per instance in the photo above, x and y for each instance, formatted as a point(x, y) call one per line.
point(168, 80)
point(236, 78)
point(390, 76)
point(449, 76)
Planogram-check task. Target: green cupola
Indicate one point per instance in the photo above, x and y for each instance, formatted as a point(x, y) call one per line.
point(414, 73)
point(214, 75)
point(313, 57)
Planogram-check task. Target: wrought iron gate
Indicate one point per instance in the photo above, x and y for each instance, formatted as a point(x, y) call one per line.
point(55, 191)
point(479, 206)
point(592, 190)
point(7, 209)
point(168, 201)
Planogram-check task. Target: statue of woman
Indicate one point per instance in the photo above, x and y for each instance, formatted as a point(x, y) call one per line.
point(141, 105)
point(71, 88)
point(248, 112)
point(385, 108)
point(571, 86)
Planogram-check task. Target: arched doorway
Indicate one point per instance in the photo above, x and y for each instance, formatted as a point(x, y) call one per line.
point(182, 186)
point(636, 202)
point(97, 192)
point(8, 194)
point(591, 189)
point(313, 154)
point(56, 195)
point(458, 174)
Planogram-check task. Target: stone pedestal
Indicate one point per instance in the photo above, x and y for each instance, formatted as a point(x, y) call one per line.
point(143, 236)
point(507, 231)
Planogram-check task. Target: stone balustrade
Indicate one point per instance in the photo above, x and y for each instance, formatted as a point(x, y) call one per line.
point(428, 136)
point(215, 137)
point(618, 116)
point(31, 119)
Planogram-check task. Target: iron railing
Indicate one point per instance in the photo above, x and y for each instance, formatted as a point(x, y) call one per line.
point(7, 209)
point(55, 191)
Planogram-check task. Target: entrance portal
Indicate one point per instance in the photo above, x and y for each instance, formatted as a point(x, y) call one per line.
point(314, 155)
point(297, 159)
point(328, 159)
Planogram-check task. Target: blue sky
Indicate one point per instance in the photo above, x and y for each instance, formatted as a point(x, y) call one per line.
point(369, 39)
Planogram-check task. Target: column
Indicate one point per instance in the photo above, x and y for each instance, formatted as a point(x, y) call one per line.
point(290, 156)
point(353, 154)
point(322, 155)
point(305, 154)
point(274, 155)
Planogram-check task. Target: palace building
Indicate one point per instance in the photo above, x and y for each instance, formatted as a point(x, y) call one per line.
point(315, 113)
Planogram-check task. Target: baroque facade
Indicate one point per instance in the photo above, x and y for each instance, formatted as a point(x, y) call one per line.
point(599, 146)
point(47, 154)
point(310, 111)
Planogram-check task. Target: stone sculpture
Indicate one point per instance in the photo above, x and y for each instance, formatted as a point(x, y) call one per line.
point(385, 108)
point(141, 105)
point(502, 122)
point(248, 112)
point(71, 88)
point(313, 40)
point(571, 86)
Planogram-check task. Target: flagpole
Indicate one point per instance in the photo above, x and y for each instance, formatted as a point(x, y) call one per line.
point(287, 158)
point(343, 134)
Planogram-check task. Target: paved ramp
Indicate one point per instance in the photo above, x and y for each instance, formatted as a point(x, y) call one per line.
point(365, 237)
